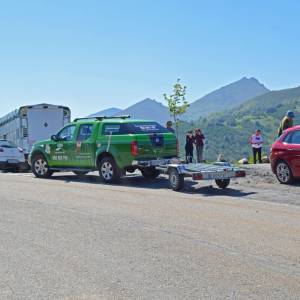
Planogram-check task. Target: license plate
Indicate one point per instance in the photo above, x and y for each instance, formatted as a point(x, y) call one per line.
point(220, 175)
point(157, 162)
point(12, 161)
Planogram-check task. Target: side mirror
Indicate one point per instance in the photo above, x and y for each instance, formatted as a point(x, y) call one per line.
point(54, 138)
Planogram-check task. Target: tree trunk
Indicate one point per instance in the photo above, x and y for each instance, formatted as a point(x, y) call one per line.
point(176, 126)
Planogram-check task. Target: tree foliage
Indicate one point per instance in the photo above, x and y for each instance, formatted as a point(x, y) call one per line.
point(177, 102)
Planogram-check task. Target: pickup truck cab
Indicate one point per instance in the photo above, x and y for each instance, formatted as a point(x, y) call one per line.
point(113, 146)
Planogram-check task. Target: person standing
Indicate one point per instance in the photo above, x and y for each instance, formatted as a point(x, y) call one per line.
point(199, 141)
point(189, 147)
point(169, 126)
point(286, 122)
point(256, 142)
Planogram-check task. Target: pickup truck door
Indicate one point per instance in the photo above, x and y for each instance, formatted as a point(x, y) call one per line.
point(63, 148)
point(85, 146)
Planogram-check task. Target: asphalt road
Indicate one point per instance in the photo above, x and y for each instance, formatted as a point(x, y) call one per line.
point(66, 238)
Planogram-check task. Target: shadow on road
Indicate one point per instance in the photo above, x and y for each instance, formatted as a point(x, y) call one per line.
point(137, 181)
point(211, 191)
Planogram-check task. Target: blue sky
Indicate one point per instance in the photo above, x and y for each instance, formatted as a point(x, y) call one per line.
point(91, 55)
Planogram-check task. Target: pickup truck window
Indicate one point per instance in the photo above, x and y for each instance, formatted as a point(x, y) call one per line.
point(67, 134)
point(133, 128)
point(85, 132)
point(147, 127)
point(115, 129)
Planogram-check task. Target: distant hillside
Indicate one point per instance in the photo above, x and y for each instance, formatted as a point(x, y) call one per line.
point(228, 132)
point(225, 98)
point(107, 112)
point(147, 109)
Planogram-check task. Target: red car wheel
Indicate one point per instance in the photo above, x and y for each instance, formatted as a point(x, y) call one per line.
point(284, 173)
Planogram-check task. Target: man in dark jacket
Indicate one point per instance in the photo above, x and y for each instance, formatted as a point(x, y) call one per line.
point(169, 126)
point(286, 122)
point(199, 141)
point(189, 147)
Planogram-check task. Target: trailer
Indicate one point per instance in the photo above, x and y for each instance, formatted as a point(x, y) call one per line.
point(31, 123)
point(220, 172)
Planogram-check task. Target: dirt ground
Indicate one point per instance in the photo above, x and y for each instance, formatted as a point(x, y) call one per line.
point(262, 181)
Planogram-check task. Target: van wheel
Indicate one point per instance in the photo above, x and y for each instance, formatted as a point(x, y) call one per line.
point(150, 173)
point(222, 183)
point(176, 180)
point(40, 167)
point(108, 170)
point(284, 173)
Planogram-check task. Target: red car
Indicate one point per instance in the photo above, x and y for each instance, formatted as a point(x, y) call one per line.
point(285, 155)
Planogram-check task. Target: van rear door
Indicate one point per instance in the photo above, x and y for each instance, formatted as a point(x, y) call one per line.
point(44, 122)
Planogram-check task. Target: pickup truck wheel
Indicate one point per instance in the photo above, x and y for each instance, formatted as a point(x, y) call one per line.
point(284, 173)
point(150, 173)
point(40, 167)
point(176, 180)
point(222, 183)
point(108, 170)
point(80, 173)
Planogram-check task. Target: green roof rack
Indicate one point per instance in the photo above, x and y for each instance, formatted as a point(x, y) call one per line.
point(100, 118)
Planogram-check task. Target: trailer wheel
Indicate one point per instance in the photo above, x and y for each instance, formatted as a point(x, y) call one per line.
point(176, 180)
point(222, 183)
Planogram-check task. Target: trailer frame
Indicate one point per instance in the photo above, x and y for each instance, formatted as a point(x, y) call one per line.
point(220, 172)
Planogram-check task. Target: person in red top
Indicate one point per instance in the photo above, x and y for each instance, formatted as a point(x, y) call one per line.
point(199, 141)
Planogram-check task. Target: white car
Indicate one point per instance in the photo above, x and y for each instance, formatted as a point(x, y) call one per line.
point(11, 157)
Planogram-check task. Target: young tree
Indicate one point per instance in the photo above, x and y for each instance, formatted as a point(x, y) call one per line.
point(177, 103)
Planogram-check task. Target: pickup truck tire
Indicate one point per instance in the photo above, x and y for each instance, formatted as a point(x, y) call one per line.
point(80, 173)
point(108, 170)
point(40, 167)
point(222, 183)
point(176, 180)
point(150, 173)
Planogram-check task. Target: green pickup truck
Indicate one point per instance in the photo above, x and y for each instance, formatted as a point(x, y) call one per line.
point(113, 146)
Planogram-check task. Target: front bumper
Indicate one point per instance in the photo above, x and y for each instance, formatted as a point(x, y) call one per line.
point(9, 165)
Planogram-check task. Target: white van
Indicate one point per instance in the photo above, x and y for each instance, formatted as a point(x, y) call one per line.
point(11, 157)
point(32, 123)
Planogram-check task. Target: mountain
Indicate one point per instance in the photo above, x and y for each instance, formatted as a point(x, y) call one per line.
point(222, 99)
point(113, 111)
point(228, 132)
point(148, 109)
point(225, 98)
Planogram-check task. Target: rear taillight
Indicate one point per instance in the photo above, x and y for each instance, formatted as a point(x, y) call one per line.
point(198, 176)
point(134, 148)
point(1, 150)
point(240, 174)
